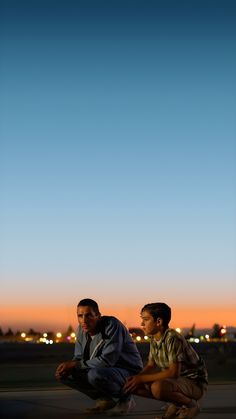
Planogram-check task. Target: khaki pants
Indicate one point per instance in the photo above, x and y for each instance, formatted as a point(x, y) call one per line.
point(188, 387)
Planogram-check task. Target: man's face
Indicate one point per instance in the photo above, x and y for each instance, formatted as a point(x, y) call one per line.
point(88, 318)
point(149, 325)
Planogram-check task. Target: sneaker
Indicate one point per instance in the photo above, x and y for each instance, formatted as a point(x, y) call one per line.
point(170, 412)
point(188, 412)
point(122, 407)
point(101, 406)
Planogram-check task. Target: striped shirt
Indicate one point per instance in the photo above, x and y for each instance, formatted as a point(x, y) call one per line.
point(173, 348)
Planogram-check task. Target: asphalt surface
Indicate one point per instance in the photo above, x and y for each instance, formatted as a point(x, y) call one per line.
point(63, 403)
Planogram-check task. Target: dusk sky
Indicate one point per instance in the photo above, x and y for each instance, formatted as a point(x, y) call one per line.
point(117, 159)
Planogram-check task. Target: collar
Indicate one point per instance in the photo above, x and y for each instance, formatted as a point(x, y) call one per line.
point(159, 342)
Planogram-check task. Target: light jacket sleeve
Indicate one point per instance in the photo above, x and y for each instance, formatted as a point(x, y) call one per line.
point(78, 351)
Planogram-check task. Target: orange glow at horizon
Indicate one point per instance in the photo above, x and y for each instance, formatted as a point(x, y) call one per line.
point(57, 318)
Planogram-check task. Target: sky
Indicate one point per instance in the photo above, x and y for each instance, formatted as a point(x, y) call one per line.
point(117, 160)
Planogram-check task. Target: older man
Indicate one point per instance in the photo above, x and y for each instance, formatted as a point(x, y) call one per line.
point(105, 356)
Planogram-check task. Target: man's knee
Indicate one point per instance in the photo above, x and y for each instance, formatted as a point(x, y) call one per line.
point(96, 376)
point(159, 389)
point(156, 389)
point(106, 379)
point(162, 389)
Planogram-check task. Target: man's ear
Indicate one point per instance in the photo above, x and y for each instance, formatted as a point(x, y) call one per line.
point(159, 321)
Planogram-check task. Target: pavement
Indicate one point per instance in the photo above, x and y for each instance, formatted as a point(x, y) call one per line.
point(61, 403)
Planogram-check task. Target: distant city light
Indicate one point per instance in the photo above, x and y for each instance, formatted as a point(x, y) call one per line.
point(223, 334)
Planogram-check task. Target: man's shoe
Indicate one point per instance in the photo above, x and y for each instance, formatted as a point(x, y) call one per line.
point(122, 407)
point(170, 412)
point(101, 406)
point(188, 412)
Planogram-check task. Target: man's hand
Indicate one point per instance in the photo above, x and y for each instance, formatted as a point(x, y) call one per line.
point(132, 383)
point(65, 369)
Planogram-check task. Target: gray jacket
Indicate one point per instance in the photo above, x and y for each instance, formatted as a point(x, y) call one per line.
point(112, 346)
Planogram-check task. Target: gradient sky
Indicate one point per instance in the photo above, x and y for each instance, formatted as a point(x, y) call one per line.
point(117, 159)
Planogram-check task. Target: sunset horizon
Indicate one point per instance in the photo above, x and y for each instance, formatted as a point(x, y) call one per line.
point(61, 318)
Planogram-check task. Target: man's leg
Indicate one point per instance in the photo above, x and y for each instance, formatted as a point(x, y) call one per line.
point(182, 393)
point(144, 390)
point(108, 381)
point(79, 381)
point(111, 381)
point(105, 385)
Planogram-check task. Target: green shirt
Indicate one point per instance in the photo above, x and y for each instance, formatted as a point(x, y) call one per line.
point(173, 348)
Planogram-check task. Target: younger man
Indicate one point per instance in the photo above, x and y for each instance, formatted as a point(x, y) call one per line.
point(174, 373)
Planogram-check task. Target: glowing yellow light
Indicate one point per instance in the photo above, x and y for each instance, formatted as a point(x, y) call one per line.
point(178, 330)
point(138, 338)
point(196, 340)
point(223, 331)
point(23, 335)
point(59, 335)
point(146, 337)
point(207, 337)
point(72, 335)
point(45, 335)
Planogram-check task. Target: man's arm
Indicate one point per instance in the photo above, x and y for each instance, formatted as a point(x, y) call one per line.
point(78, 350)
point(150, 367)
point(65, 369)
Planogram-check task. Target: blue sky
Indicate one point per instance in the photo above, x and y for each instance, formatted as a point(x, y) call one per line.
point(118, 153)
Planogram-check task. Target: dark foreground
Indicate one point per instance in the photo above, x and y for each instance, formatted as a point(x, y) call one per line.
point(219, 403)
point(28, 389)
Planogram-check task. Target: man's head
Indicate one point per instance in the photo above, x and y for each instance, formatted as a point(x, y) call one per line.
point(155, 317)
point(88, 315)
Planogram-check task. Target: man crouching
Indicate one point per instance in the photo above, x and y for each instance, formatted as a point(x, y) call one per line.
point(105, 356)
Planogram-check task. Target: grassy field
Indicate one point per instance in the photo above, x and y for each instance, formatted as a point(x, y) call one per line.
point(32, 366)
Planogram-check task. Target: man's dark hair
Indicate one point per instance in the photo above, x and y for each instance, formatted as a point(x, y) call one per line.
point(161, 310)
point(91, 303)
